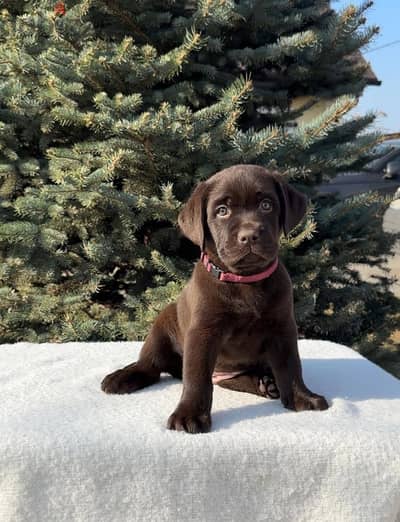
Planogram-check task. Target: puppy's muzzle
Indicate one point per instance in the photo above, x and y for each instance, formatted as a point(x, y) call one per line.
point(249, 234)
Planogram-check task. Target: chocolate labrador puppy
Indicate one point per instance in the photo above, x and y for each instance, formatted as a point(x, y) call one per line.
point(234, 322)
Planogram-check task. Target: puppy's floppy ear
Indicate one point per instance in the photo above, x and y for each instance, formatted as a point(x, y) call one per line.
point(293, 205)
point(192, 218)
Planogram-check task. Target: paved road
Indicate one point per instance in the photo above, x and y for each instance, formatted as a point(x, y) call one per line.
point(352, 183)
point(391, 223)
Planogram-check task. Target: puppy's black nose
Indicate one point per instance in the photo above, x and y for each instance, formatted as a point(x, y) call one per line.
point(250, 234)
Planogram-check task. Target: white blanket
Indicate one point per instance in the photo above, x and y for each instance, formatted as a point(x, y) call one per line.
point(69, 452)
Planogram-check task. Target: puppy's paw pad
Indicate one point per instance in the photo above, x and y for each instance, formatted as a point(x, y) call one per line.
point(267, 387)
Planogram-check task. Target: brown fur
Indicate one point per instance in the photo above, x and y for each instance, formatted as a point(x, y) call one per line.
point(226, 326)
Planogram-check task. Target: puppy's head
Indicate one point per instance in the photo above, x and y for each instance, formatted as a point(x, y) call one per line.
point(239, 213)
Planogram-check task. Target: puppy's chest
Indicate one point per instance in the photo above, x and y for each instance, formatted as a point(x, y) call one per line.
point(244, 329)
point(247, 307)
point(240, 343)
point(243, 333)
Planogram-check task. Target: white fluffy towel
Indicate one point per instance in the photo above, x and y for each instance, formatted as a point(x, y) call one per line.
point(69, 452)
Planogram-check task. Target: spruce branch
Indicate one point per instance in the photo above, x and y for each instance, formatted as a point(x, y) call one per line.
point(319, 127)
point(125, 16)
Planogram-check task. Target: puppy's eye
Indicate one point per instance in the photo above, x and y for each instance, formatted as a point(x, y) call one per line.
point(266, 205)
point(223, 211)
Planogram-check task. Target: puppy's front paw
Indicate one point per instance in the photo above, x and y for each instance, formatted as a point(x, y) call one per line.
point(300, 398)
point(184, 420)
point(303, 401)
point(127, 380)
point(310, 402)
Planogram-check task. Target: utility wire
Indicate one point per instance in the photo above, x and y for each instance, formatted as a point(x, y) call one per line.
point(395, 42)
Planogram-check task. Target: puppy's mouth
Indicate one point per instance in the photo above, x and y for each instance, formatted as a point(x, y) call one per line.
point(251, 261)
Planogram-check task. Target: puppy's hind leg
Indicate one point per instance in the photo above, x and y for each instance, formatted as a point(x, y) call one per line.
point(157, 355)
point(263, 385)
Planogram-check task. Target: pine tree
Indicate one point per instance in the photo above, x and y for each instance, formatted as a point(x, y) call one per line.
point(111, 111)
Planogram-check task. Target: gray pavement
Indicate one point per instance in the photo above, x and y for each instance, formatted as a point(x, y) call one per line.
point(352, 183)
point(391, 223)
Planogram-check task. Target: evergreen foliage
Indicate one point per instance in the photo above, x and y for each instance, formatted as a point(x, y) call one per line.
point(111, 111)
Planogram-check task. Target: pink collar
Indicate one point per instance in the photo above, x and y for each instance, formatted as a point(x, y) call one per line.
point(234, 278)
